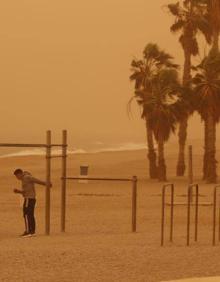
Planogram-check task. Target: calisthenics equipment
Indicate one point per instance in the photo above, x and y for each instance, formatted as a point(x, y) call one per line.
point(132, 180)
point(48, 148)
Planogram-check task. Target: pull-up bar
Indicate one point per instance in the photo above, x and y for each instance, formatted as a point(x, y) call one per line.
point(48, 146)
point(30, 145)
point(133, 180)
point(98, 178)
point(23, 145)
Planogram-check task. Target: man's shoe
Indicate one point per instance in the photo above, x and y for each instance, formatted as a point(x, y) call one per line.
point(23, 234)
point(33, 234)
point(26, 235)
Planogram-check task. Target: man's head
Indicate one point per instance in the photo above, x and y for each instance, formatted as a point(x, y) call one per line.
point(18, 173)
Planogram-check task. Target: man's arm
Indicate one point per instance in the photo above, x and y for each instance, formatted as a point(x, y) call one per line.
point(38, 181)
point(16, 191)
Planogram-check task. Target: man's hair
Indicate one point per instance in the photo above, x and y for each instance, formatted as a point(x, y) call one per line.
point(18, 171)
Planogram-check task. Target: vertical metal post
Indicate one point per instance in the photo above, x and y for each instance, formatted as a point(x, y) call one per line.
point(214, 216)
point(188, 215)
point(63, 180)
point(196, 212)
point(190, 191)
point(48, 183)
point(163, 216)
point(190, 168)
point(219, 224)
point(134, 203)
point(190, 171)
point(171, 212)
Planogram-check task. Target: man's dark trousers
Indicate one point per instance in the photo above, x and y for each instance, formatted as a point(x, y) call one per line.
point(28, 212)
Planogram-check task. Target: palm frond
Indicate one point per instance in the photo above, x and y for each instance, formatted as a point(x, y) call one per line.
point(174, 9)
point(177, 26)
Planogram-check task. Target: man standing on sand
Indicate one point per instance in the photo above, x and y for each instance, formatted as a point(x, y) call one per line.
point(29, 194)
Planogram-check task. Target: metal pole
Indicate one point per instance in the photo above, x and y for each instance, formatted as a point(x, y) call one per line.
point(63, 181)
point(163, 216)
point(101, 179)
point(171, 213)
point(219, 224)
point(48, 182)
point(188, 215)
point(214, 216)
point(190, 169)
point(196, 212)
point(134, 203)
point(190, 191)
point(171, 185)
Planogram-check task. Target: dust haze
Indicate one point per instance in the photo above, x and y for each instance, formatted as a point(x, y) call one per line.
point(66, 64)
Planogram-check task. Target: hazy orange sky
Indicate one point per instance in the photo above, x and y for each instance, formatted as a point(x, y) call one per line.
point(65, 64)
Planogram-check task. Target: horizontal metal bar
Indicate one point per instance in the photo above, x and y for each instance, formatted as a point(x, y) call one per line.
point(97, 178)
point(59, 145)
point(57, 156)
point(30, 145)
point(23, 145)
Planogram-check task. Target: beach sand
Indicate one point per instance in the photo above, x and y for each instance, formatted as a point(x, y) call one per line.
point(98, 244)
point(205, 279)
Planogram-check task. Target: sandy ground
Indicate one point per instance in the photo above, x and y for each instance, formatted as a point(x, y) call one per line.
point(98, 244)
point(205, 279)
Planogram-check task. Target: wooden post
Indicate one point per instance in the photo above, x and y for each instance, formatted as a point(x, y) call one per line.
point(63, 179)
point(48, 182)
point(134, 203)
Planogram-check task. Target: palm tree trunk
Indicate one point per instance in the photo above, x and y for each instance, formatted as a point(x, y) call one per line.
point(161, 161)
point(182, 142)
point(181, 167)
point(209, 156)
point(215, 44)
point(214, 6)
point(152, 157)
point(211, 138)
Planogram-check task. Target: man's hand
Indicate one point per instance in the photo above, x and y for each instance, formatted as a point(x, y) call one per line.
point(16, 191)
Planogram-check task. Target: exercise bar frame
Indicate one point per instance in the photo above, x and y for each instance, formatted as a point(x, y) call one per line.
point(134, 181)
point(48, 146)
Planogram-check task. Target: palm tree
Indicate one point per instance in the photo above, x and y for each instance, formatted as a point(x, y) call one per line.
point(213, 11)
point(153, 60)
point(214, 17)
point(163, 109)
point(207, 92)
point(190, 19)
